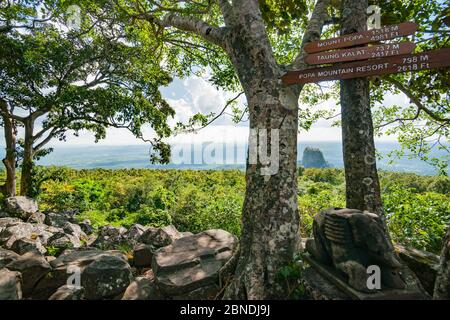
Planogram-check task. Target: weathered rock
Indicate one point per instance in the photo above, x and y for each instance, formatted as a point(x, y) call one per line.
point(174, 234)
point(4, 214)
point(10, 285)
point(423, 264)
point(155, 237)
point(7, 256)
point(56, 219)
point(62, 240)
point(442, 286)
point(33, 267)
point(50, 258)
point(161, 237)
point(67, 265)
point(142, 255)
point(84, 257)
point(69, 236)
point(109, 237)
point(68, 292)
point(14, 231)
point(8, 222)
point(316, 287)
point(86, 226)
point(21, 206)
point(192, 262)
point(37, 217)
point(134, 233)
point(25, 245)
point(106, 277)
point(53, 280)
point(75, 230)
point(71, 215)
point(143, 288)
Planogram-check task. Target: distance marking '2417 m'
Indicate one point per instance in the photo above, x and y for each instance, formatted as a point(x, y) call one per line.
point(363, 53)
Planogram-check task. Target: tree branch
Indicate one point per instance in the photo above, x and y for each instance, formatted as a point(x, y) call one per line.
point(416, 100)
point(41, 133)
point(313, 31)
point(399, 120)
point(47, 139)
point(204, 10)
point(5, 112)
point(227, 11)
point(229, 102)
point(193, 25)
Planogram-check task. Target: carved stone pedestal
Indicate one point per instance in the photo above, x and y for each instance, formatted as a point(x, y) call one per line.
point(323, 282)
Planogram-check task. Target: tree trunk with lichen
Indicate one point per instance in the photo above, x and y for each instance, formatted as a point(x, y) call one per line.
point(10, 131)
point(26, 177)
point(361, 176)
point(270, 218)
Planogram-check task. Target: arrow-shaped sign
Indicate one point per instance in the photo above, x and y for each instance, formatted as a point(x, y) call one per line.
point(370, 36)
point(363, 53)
point(404, 63)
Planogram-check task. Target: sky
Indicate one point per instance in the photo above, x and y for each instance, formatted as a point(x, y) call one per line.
point(195, 94)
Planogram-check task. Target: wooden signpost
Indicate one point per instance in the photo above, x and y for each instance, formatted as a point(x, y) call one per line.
point(364, 53)
point(370, 36)
point(397, 64)
point(376, 60)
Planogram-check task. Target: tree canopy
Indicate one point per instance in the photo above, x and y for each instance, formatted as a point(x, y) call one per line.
point(90, 78)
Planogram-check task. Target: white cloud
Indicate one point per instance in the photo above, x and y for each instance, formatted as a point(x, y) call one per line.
point(183, 110)
point(195, 94)
point(225, 134)
point(205, 98)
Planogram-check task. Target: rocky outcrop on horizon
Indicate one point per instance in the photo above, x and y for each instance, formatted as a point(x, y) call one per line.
point(313, 158)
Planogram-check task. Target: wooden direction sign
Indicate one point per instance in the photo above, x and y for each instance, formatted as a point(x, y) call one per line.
point(364, 53)
point(370, 36)
point(397, 64)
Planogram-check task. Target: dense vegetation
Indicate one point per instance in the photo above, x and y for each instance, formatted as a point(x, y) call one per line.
point(417, 207)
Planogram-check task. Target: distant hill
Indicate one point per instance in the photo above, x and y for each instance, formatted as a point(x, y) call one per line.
point(98, 156)
point(313, 158)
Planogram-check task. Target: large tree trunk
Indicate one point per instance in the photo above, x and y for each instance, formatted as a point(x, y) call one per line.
point(9, 188)
point(362, 183)
point(442, 285)
point(26, 178)
point(270, 219)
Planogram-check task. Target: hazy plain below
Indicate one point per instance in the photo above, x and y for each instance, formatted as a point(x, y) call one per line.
point(201, 157)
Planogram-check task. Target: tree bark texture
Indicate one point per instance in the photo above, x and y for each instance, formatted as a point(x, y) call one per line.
point(270, 219)
point(26, 178)
point(10, 131)
point(362, 183)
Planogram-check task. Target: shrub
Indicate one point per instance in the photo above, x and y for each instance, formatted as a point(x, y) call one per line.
point(153, 217)
point(417, 206)
point(328, 175)
point(417, 220)
point(440, 185)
